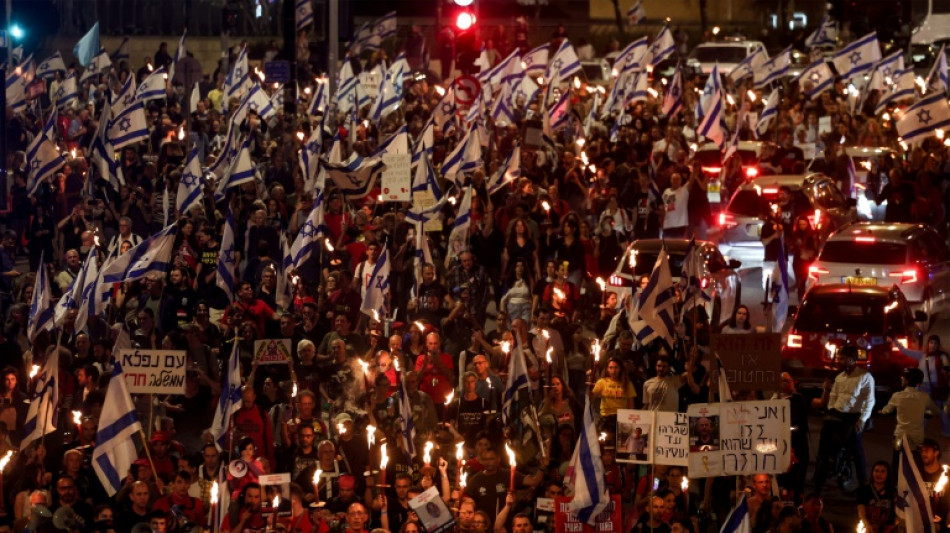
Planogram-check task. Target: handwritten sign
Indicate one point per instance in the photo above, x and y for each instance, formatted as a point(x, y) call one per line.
point(750, 362)
point(369, 83)
point(272, 351)
point(397, 178)
point(425, 200)
point(154, 371)
point(739, 438)
point(432, 511)
point(670, 443)
point(608, 521)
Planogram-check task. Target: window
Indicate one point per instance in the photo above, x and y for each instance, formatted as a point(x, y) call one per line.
point(883, 253)
point(828, 196)
point(745, 203)
point(842, 313)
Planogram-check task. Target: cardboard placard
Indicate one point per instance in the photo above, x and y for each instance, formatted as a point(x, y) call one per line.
point(432, 511)
point(739, 438)
point(425, 200)
point(272, 351)
point(750, 362)
point(154, 371)
point(635, 436)
point(275, 486)
point(397, 178)
point(608, 521)
point(369, 83)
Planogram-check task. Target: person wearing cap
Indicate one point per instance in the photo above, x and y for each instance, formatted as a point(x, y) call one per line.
point(164, 465)
point(346, 496)
point(352, 444)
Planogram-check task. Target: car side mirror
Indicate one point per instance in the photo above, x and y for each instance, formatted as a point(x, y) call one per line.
point(920, 316)
point(734, 264)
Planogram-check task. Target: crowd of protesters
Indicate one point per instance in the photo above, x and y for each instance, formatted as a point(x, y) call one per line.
point(527, 272)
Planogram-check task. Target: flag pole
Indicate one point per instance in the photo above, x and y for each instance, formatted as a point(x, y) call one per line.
point(148, 453)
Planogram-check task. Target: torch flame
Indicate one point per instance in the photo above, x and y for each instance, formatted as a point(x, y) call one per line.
point(602, 437)
point(419, 325)
point(942, 482)
point(329, 246)
point(458, 450)
point(440, 90)
point(340, 429)
point(383, 458)
point(276, 502)
point(427, 453)
point(505, 347)
point(596, 349)
point(6, 460)
point(34, 371)
point(545, 334)
point(577, 82)
point(463, 480)
point(300, 136)
point(294, 393)
point(370, 435)
point(449, 397)
point(602, 284)
point(364, 365)
point(77, 417)
point(375, 315)
point(317, 475)
point(861, 528)
point(72, 153)
point(214, 493)
point(511, 456)
point(546, 205)
point(396, 363)
point(560, 295)
point(547, 356)
point(181, 133)
point(684, 485)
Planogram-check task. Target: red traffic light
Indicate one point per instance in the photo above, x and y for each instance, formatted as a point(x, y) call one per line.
point(464, 20)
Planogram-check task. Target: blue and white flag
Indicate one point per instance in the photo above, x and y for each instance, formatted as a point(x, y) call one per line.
point(518, 379)
point(17, 83)
point(390, 90)
point(655, 307)
point(122, 51)
point(637, 88)
point(51, 65)
point(466, 156)
point(229, 402)
point(816, 79)
point(49, 127)
point(768, 114)
point(72, 296)
point(560, 113)
point(152, 255)
point(310, 158)
point(386, 26)
point(41, 309)
point(364, 39)
point(255, 100)
point(88, 46)
point(503, 110)
point(858, 57)
point(504, 72)
point(526, 90)
point(180, 53)
point(749, 65)
point(691, 278)
point(303, 14)
point(424, 143)
point(711, 125)
point(506, 173)
point(128, 123)
point(407, 427)
point(738, 520)
point(710, 91)
point(241, 171)
point(226, 271)
point(102, 152)
point(774, 68)
point(348, 95)
point(190, 185)
point(824, 35)
point(67, 93)
point(673, 99)
point(535, 62)
point(890, 66)
point(636, 14)
point(43, 160)
point(88, 292)
point(904, 87)
point(586, 473)
point(633, 56)
point(446, 108)
point(779, 289)
point(424, 180)
point(564, 64)
point(239, 79)
point(913, 494)
point(922, 119)
point(463, 220)
point(100, 65)
point(41, 416)
point(114, 453)
point(309, 237)
point(320, 99)
point(153, 87)
point(356, 176)
point(937, 78)
point(663, 46)
point(375, 287)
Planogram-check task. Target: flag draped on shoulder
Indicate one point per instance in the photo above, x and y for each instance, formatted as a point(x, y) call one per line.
point(115, 451)
point(586, 473)
point(41, 416)
point(229, 402)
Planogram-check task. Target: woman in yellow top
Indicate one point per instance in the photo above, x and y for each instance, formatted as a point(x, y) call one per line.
point(615, 392)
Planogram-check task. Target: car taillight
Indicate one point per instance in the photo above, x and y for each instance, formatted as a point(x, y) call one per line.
point(726, 220)
point(751, 172)
point(794, 340)
point(815, 272)
point(616, 281)
point(712, 170)
point(906, 276)
point(704, 283)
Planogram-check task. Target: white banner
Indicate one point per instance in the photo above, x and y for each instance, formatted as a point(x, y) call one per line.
point(154, 371)
point(739, 438)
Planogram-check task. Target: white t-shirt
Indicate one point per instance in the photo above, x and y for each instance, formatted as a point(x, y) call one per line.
point(677, 215)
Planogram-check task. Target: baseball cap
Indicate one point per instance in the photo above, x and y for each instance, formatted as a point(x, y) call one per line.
point(931, 443)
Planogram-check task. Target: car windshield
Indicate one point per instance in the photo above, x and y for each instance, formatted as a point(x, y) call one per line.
point(745, 203)
point(722, 54)
point(842, 313)
point(593, 72)
point(647, 260)
point(879, 253)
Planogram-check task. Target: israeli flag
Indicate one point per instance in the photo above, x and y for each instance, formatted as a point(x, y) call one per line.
point(407, 428)
point(229, 402)
point(190, 185)
point(239, 79)
point(463, 220)
point(51, 65)
point(636, 91)
point(41, 310)
point(691, 277)
point(535, 62)
point(518, 379)
point(922, 119)
point(121, 52)
point(225, 275)
point(425, 143)
point(673, 99)
point(502, 112)
point(356, 176)
point(586, 473)
point(655, 307)
point(364, 39)
point(180, 53)
point(100, 65)
point(152, 255)
point(858, 57)
point(632, 57)
point(348, 96)
point(560, 113)
point(376, 288)
point(711, 126)
point(310, 158)
point(564, 64)
point(88, 46)
point(768, 114)
point(525, 90)
point(88, 292)
point(636, 14)
point(114, 453)
point(780, 288)
point(446, 108)
point(128, 124)
point(385, 26)
point(424, 179)
point(507, 172)
point(241, 171)
point(738, 520)
point(103, 153)
point(466, 156)
point(308, 238)
point(72, 297)
point(913, 494)
point(67, 93)
point(506, 72)
point(390, 90)
point(41, 416)
point(824, 35)
point(904, 87)
point(816, 79)
point(749, 65)
point(937, 78)
point(153, 87)
point(710, 90)
point(773, 69)
point(319, 100)
point(43, 160)
point(663, 46)
point(303, 14)
point(890, 66)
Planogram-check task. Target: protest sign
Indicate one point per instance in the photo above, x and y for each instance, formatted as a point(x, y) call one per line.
point(397, 178)
point(432, 511)
point(276, 488)
point(739, 438)
point(272, 351)
point(608, 521)
point(634, 436)
point(154, 371)
point(670, 441)
point(750, 362)
point(424, 200)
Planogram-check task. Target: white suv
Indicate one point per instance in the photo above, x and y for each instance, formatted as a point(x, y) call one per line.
point(727, 53)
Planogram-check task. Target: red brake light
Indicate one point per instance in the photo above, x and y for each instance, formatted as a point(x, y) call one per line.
point(794, 341)
point(751, 172)
point(616, 281)
point(906, 276)
point(865, 239)
point(704, 283)
point(815, 272)
point(770, 190)
point(726, 220)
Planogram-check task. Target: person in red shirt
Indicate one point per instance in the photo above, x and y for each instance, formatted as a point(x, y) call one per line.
point(356, 517)
point(299, 519)
point(191, 508)
point(164, 464)
point(254, 308)
point(253, 422)
point(247, 516)
point(436, 371)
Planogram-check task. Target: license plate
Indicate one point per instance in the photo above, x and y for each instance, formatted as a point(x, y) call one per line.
point(854, 280)
point(713, 186)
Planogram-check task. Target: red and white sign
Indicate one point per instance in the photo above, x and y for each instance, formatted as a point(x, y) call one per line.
point(467, 89)
point(608, 521)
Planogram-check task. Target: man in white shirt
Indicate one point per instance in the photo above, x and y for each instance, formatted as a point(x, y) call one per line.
point(911, 406)
point(676, 213)
point(849, 407)
point(662, 392)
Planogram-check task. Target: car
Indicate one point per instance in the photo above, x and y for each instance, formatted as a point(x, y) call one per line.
point(814, 194)
point(710, 159)
point(727, 53)
point(597, 72)
point(863, 159)
point(721, 278)
point(836, 314)
point(913, 256)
